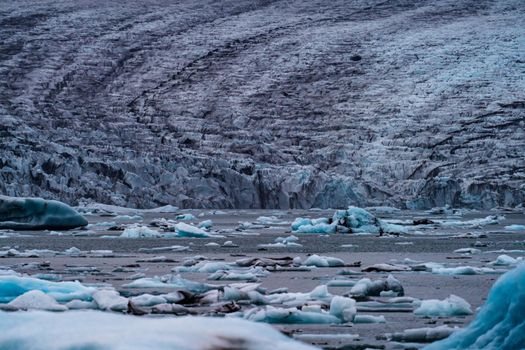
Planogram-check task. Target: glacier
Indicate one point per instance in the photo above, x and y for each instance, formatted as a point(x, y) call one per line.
point(201, 105)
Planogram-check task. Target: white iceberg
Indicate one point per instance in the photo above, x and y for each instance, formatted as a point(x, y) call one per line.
point(36, 300)
point(139, 231)
point(323, 261)
point(451, 306)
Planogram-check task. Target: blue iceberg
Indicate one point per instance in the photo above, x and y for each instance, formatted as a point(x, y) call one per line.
point(38, 214)
point(500, 323)
point(12, 286)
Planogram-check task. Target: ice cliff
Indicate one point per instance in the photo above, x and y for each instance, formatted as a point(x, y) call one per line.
point(264, 104)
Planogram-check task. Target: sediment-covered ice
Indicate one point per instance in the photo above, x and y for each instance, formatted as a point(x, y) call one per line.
point(499, 324)
point(98, 330)
point(38, 214)
point(367, 287)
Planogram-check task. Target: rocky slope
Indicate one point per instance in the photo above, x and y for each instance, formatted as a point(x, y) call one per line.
point(264, 104)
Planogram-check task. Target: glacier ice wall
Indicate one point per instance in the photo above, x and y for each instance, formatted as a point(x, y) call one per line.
point(264, 104)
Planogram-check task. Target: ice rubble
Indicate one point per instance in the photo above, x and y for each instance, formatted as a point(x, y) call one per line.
point(92, 329)
point(451, 306)
point(37, 214)
point(499, 324)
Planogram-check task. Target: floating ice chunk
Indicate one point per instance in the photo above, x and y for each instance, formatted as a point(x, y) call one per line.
point(283, 242)
point(147, 300)
point(462, 270)
point(14, 286)
point(369, 319)
point(128, 218)
point(358, 219)
point(186, 217)
point(489, 220)
point(212, 244)
point(515, 227)
point(173, 248)
point(505, 260)
point(36, 300)
point(229, 244)
point(81, 305)
point(298, 222)
point(319, 228)
point(270, 314)
point(499, 323)
point(73, 251)
point(422, 335)
point(99, 330)
point(138, 231)
point(38, 214)
point(467, 251)
point(323, 261)
point(367, 287)
point(343, 308)
point(386, 268)
point(451, 306)
point(185, 230)
point(204, 266)
point(341, 283)
point(316, 338)
point(109, 299)
point(270, 220)
point(170, 281)
point(164, 209)
point(239, 275)
point(206, 224)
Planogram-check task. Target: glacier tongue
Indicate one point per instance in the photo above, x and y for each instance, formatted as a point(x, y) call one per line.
point(260, 104)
